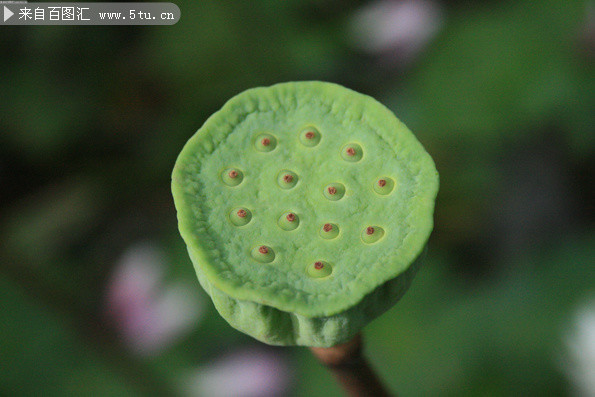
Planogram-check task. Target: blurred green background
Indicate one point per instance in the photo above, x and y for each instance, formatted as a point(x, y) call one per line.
point(98, 296)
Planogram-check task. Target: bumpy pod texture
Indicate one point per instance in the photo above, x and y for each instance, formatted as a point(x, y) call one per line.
point(305, 207)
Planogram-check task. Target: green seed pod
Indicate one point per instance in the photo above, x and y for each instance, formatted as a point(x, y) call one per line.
point(359, 217)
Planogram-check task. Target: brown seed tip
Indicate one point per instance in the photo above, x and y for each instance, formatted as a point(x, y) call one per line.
point(263, 250)
point(332, 190)
point(291, 217)
point(382, 183)
point(318, 265)
point(309, 135)
point(233, 174)
point(265, 142)
point(287, 178)
point(241, 213)
point(350, 151)
point(370, 230)
point(327, 227)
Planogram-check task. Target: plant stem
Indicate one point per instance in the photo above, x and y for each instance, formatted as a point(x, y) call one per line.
point(349, 366)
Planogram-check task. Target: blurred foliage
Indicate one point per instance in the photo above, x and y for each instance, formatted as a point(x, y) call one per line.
point(94, 117)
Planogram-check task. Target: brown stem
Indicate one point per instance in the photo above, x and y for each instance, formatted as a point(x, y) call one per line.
point(347, 363)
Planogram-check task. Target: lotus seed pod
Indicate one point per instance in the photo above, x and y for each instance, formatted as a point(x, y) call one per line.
point(318, 239)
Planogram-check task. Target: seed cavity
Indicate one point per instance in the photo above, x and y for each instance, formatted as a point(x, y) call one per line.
point(329, 231)
point(334, 191)
point(384, 186)
point(352, 152)
point(372, 234)
point(232, 177)
point(263, 254)
point(240, 216)
point(319, 269)
point(310, 137)
point(288, 221)
point(265, 143)
point(287, 179)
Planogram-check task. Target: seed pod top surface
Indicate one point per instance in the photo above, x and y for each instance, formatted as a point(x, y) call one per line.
point(340, 197)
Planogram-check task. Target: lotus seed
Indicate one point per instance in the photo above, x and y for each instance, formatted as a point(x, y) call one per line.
point(384, 186)
point(329, 231)
point(288, 221)
point(263, 254)
point(287, 179)
point(232, 177)
point(372, 234)
point(265, 143)
point(240, 216)
point(352, 152)
point(319, 269)
point(334, 191)
point(310, 137)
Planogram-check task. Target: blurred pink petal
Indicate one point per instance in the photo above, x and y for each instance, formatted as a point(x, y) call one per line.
point(396, 29)
point(149, 314)
point(248, 373)
point(580, 343)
